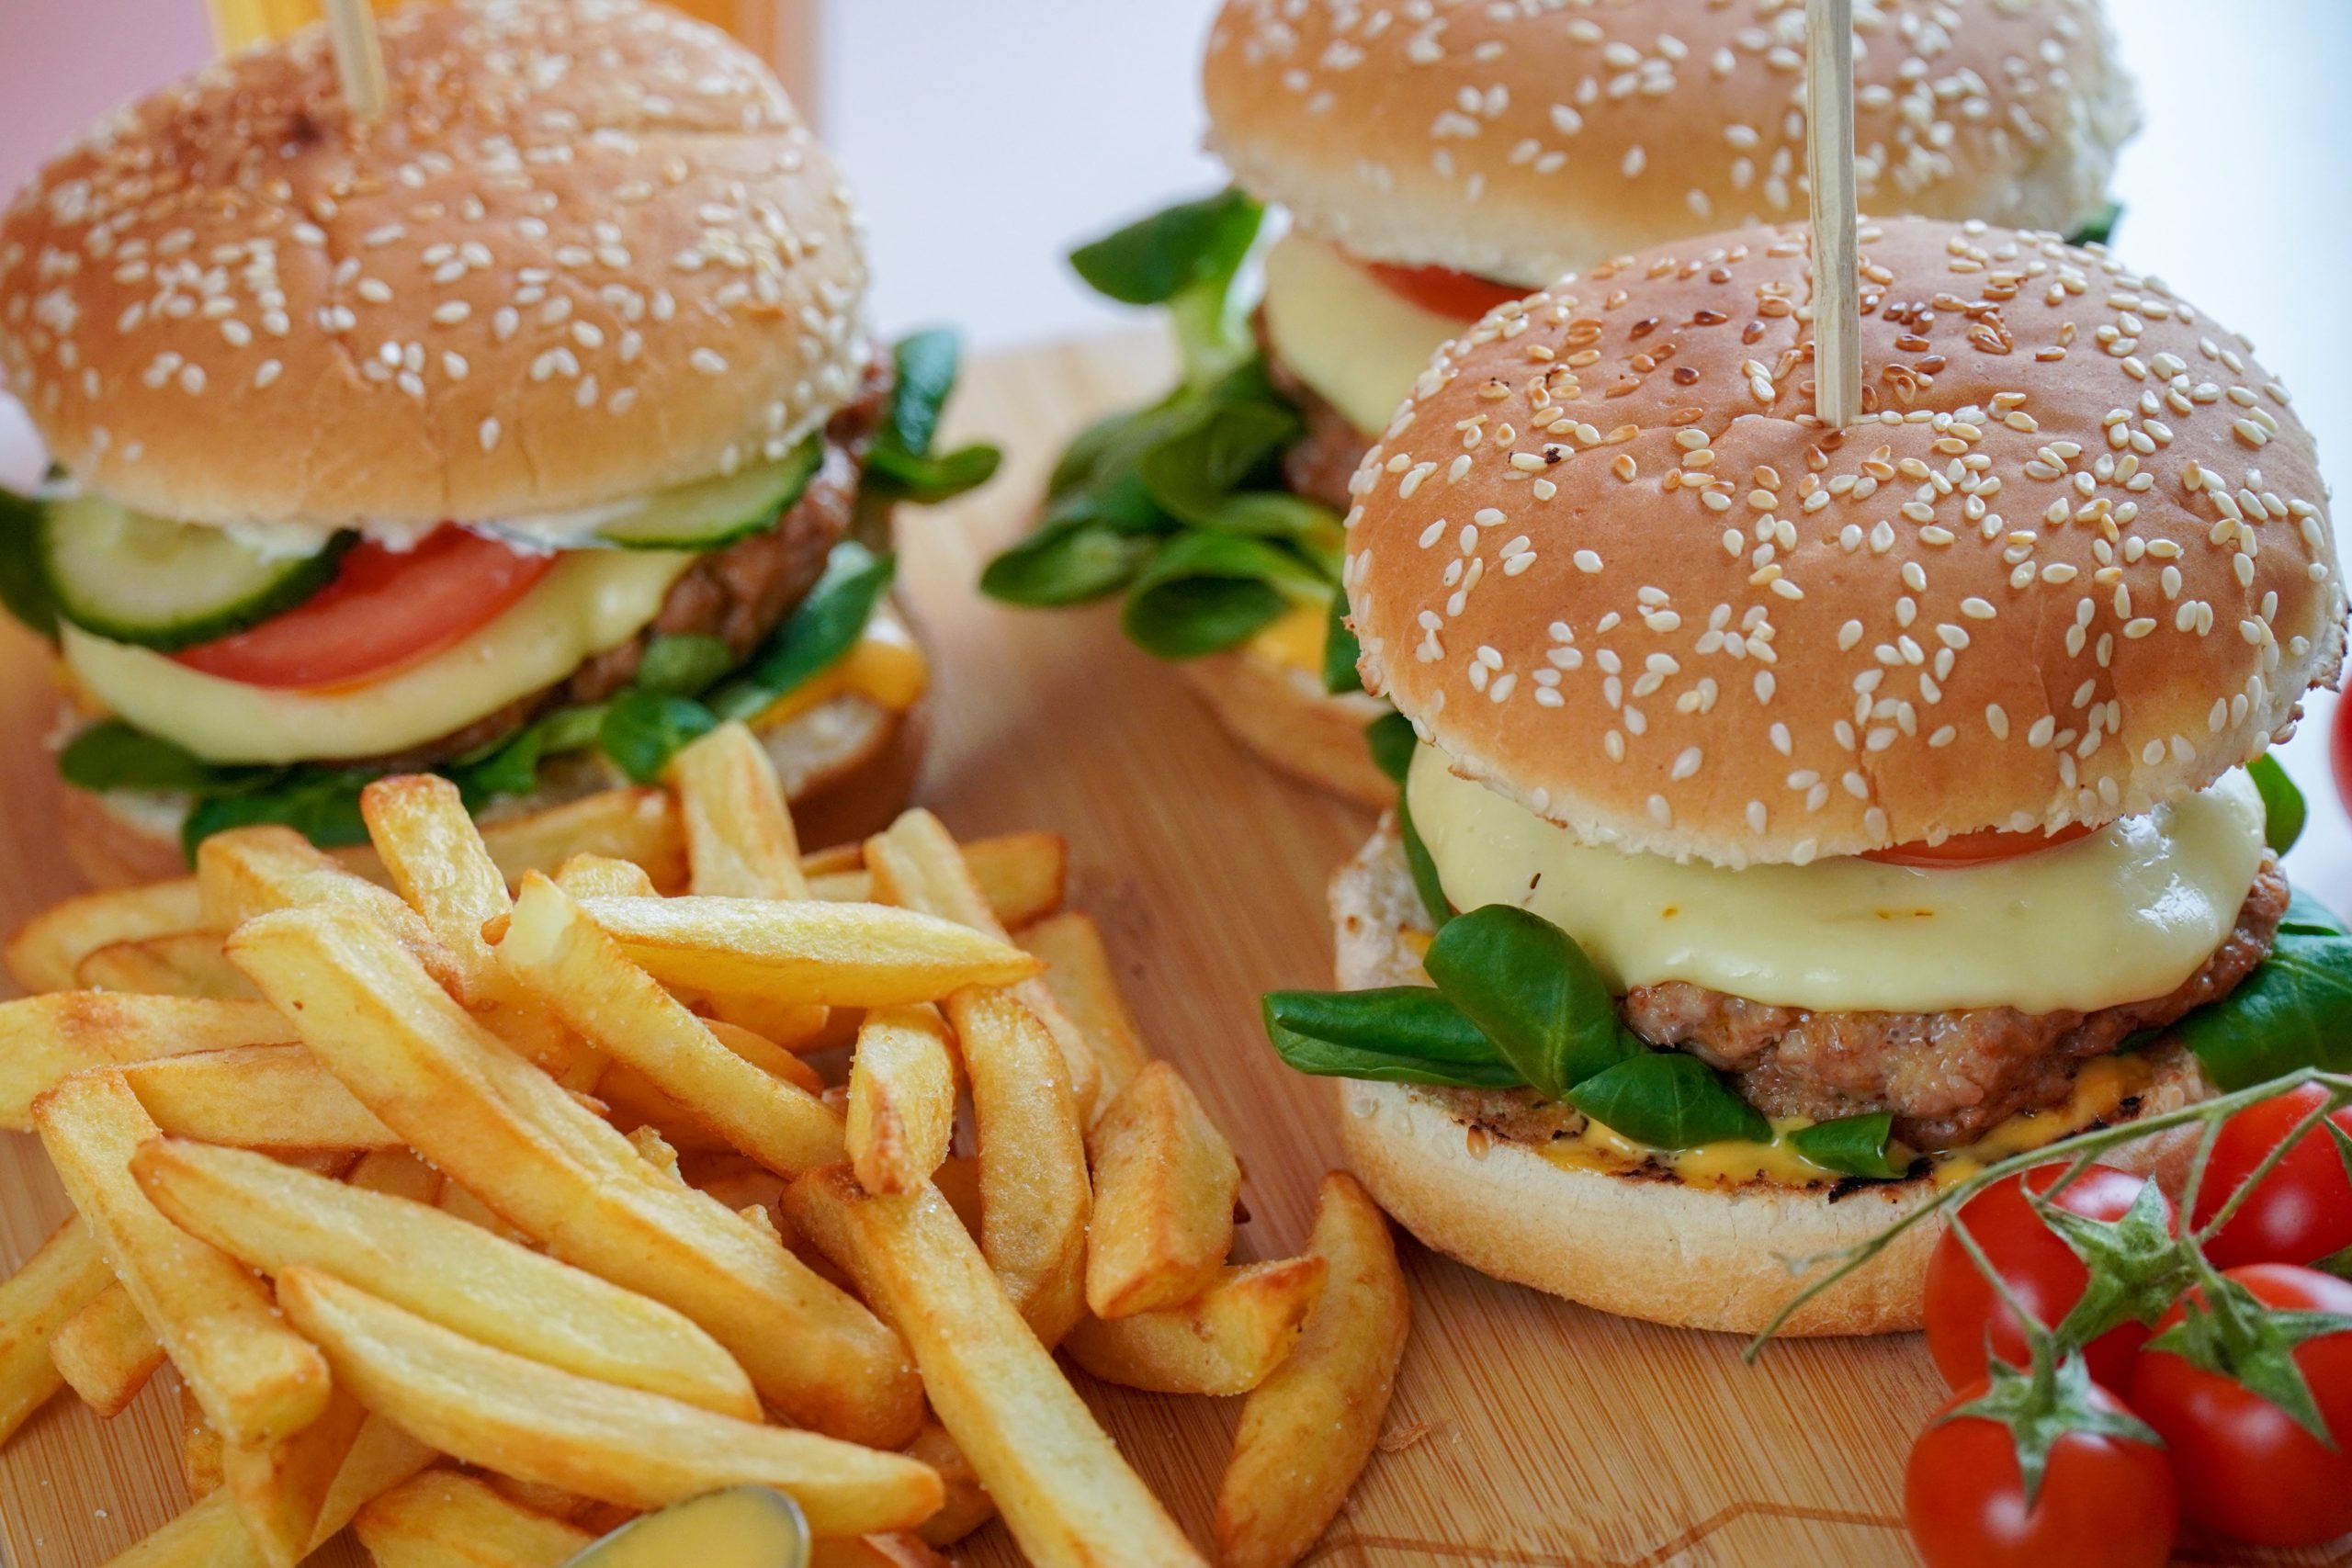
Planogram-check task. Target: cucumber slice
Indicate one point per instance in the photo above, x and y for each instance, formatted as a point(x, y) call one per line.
point(715, 513)
point(164, 586)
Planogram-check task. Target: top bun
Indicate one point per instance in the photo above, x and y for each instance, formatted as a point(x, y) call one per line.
point(588, 250)
point(2073, 561)
point(1520, 142)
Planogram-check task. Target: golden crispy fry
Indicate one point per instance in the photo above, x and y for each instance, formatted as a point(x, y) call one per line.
point(622, 1446)
point(1071, 1500)
point(601, 876)
point(1023, 874)
point(279, 1487)
point(208, 1535)
point(397, 1173)
point(39, 1298)
point(877, 1551)
point(437, 862)
point(255, 1097)
point(764, 1053)
point(200, 1449)
point(45, 951)
point(251, 871)
point(181, 963)
point(639, 825)
point(380, 1457)
point(967, 1506)
point(917, 865)
point(443, 1519)
point(1225, 1341)
point(1307, 1431)
point(552, 1501)
point(433, 1263)
point(901, 1099)
point(1079, 974)
point(1034, 1200)
point(958, 1181)
point(1165, 1180)
point(739, 843)
point(256, 1378)
point(44, 1038)
point(106, 1352)
point(515, 1139)
point(455, 1201)
point(837, 954)
point(560, 955)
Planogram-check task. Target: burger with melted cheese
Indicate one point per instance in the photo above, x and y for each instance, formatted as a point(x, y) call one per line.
point(1431, 163)
point(1795, 818)
point(518, 434)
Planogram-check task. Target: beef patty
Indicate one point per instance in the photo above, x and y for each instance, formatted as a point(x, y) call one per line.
point(1319, 464)
point(738, 594)
point(1948, 1076)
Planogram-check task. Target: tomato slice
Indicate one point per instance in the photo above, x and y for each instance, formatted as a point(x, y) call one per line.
point(1443, 291)
point(1981, 848)
point(385, 610)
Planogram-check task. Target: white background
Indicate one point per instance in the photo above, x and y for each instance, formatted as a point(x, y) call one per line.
point(988, 136)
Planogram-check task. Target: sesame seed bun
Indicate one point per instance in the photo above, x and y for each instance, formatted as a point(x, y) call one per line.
point(1521, 141)
point(590, 251)
point(2074, 562)
point(1643, 1243)
point(1284, 714)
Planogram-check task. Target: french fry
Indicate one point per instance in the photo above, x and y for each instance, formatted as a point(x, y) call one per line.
point(1165, 1182)
point(967, 1506)
point(838, 954)
point(106, 1352)
point(455, 1201)
point(601, 876)
point(739, 843)
point(39, 1298)
point(200, 1449)
point(443, 1519)
point(438, 863)
point(181, 963)
point(1069, 1499)
point(278, 1487)
point(207, 1535)
point(917, 865)
point(621, 1446)
point(397, 1173)
point(958, 1181)
point(439, 1266)
point(517, 1140)
point(246, 872)
point(1225, 1341)
point(255, 1097)
point(1079, 972)
point(877, 1551)
point(1307, 1431)
point(901, 1099)
point(764, 1053)
point(45, 951)
point(639, 825)
point(44, 1038)
point(1023, 875)
point(560, 957)
point(255, 1378)
point(380, 1457)
point(1035, 1199)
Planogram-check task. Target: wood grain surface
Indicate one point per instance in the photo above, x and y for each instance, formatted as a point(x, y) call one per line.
point(1525, 1430)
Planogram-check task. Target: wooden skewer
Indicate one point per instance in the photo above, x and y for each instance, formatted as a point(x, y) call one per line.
point(358, 57)
point(1829, 152)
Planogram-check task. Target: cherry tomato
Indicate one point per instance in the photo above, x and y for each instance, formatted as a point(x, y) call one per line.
point(1441, 291)
point(384, 611)
point(1977, 848)
point(2039, 1266)
point(2302, 1211)
point(2246, 1468)
point(2105, 1502)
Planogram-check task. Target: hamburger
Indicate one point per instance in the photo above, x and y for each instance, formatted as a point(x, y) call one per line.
point(1430, 163)
point(1797, 818)
point(518, 435)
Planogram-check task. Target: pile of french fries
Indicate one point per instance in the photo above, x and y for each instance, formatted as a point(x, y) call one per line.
point(487, 1187)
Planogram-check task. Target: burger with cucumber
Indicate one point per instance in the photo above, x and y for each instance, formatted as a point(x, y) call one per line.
point(519, 433)
point(1427, 166)
point(1796, 818)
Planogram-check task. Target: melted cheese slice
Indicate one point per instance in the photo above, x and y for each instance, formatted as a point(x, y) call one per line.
point(1294, 639)
point(1361, 346)
point(2122, 915)
point(592, 600)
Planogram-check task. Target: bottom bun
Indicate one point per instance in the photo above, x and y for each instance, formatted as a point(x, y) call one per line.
point(1643, 1243)
point(1284, 714)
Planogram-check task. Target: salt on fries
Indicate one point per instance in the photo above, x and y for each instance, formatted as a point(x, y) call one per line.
point(507, 1148)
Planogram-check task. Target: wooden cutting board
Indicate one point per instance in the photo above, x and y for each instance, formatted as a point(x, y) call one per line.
point(1525, 1430)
